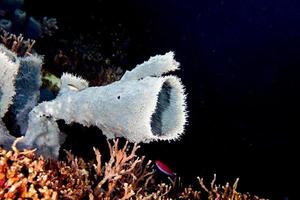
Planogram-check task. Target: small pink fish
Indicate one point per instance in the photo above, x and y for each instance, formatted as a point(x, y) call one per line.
point(164, 168)
point(2, 182)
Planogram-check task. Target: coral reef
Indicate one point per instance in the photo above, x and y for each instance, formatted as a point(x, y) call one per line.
point(144, 105)
point(13, 19)
point(16, 44)
point(160, 116)
point(98, 61)
point(28, 78)
point(28, 83)
point(123, 175)
point(156, 112)
point(8, 72)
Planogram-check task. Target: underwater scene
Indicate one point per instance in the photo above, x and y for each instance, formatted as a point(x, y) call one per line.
point(149, 99)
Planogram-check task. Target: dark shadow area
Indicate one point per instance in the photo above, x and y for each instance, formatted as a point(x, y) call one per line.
point(81, 140)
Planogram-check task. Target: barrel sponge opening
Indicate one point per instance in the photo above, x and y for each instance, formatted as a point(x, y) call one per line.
point(169, 117)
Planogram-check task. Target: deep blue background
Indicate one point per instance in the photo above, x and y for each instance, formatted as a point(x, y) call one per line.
point(240, 64)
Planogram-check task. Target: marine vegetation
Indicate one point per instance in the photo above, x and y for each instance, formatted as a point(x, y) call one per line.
point(124, 175)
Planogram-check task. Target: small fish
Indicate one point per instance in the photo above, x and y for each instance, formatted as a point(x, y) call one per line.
point(2, 183)
point(164, 168)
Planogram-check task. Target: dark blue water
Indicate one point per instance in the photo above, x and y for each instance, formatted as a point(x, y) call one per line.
point(241, 66)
